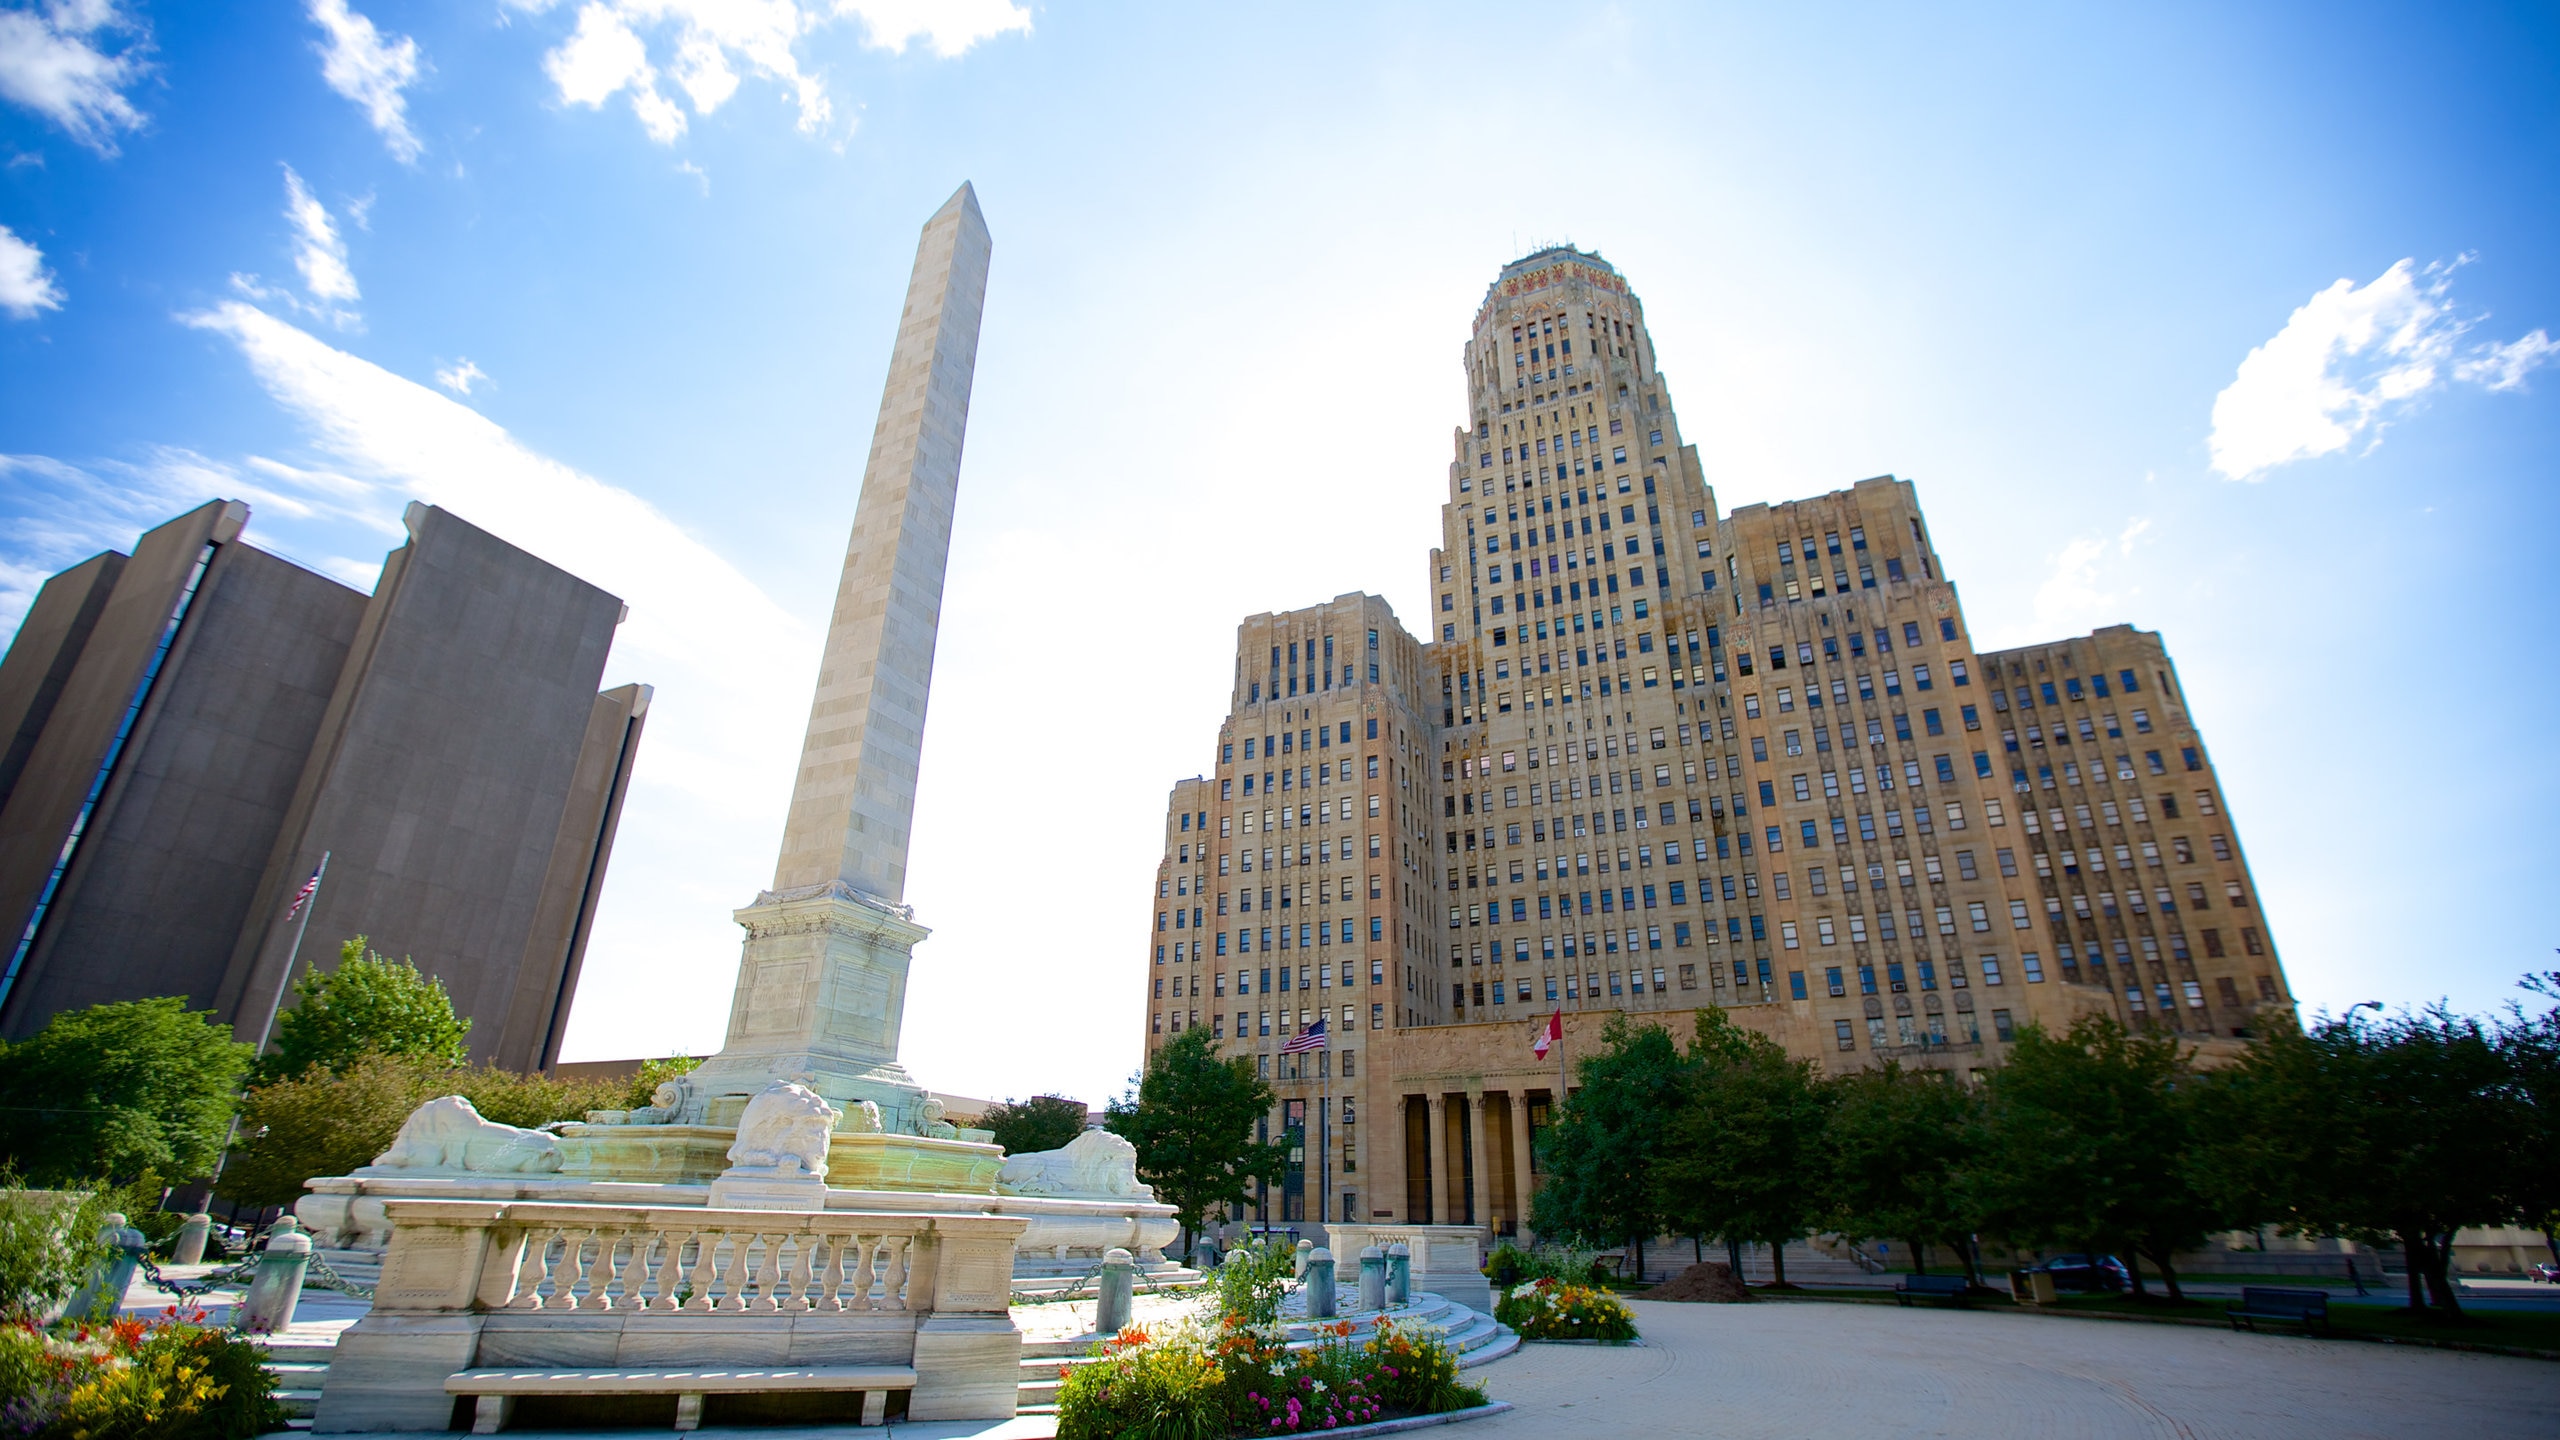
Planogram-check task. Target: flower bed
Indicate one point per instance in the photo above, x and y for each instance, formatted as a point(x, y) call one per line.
point(1187, 1382)
point(171, 1379)
point(1554, 1310)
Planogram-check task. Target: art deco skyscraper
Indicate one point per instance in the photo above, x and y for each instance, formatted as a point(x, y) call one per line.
point(1672, 759)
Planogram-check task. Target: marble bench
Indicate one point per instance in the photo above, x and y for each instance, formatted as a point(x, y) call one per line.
point(496, 1391)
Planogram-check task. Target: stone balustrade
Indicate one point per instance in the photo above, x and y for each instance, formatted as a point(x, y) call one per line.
point(479, 1283)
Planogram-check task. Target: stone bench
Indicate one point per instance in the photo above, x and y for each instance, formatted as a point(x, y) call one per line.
point(496, 1391)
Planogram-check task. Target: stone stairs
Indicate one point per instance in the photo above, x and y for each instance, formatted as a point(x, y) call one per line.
point(300, 1365)
point(1474, 1336)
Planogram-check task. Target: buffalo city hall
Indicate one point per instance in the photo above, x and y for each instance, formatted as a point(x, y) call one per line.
point(1648, 757)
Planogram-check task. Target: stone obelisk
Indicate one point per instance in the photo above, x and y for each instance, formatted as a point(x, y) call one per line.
point(823, 987)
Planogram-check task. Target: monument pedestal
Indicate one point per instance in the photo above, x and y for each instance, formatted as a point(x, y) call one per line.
point(821, 994)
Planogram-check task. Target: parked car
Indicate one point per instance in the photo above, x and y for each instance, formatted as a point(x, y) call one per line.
point(2546, 1272)
point(2085, 1273)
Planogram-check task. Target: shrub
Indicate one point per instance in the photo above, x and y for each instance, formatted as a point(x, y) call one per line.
point(1415, 1371)
point(1554, 1310)
point(1186, 1383)
point(1251, 1280)
point(173, 1380)
point(1510, 1265)
point(48, 1243)
point(1163, 1388)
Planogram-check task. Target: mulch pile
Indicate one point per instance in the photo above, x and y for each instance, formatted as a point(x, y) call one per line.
point(1708, 1283)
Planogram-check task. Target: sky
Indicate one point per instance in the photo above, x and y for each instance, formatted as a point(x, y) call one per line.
point(2232, 323)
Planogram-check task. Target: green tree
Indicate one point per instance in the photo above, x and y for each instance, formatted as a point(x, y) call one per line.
point(2397, 1131)
point(1742, 1152)
point(1601, 1153)
point(368, 1005)
point(118, 1089)
point(328, 1122)
point(654, 1073)
point(2089, 1146)
point(1043, 1122)
point(2531, 1045)
point(1901, 1143)
point(1191, 1117)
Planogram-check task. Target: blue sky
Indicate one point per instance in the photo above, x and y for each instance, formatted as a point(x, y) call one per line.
point(2230, 325)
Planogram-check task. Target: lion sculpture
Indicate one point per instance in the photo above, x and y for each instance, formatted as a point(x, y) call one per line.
point(1095, 1165)
point(784, 1131)
point(449, 1134)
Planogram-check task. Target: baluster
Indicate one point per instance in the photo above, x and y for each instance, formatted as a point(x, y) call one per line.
point(574, 1293)
point(706, 1258)
point(608, 1269)
point(893, 1272)
point(831, 1276)
point(537, 1249)
point(737, 1270)
point(871, 1255)
point(796, 1275)
point(666, 1252)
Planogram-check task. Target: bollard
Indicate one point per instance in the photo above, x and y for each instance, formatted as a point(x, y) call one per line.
point(277, 1287)
point(103, 1294)
point(1118, 1305)
point(1373, 1279)
point(191, 1238)
point(1305, 1248)
point(1399, 1274)
point(1320, 1299)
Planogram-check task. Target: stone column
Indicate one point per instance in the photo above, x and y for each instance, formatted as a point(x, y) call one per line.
point(1399, 1273)
point(1521, 1181)
point(1118, 1300)
point(277, 1287)
point(1320, 1297)
point(191, 1238)
point(1481, 1160)
point(1373, 1278)
point(1440, 1187)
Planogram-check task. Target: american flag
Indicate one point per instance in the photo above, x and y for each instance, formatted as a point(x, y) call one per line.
point(1311, 1038)
point(302, 896)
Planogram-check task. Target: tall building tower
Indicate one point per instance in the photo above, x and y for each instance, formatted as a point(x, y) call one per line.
point(1672, 759)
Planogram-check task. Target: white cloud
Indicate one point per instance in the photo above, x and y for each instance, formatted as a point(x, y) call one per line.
point(52, 62)
point(2075, 596)
point(2347, 361)
point(949, 26)
point(2503, 367)
point(318, 252)
point(25, 285)
point(359, 64)
point(705, 44)
point(460, 376)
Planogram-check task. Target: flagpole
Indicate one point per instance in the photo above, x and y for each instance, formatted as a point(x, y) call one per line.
point(305, 904)
point(294, 954)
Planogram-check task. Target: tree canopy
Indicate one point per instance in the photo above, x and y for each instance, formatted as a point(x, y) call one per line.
point(118, 1089)
point(1043, 1122)
point(1742, 1157)
point(1601, 1153)
point(328, 1122)
point(1191, 1117)
point(369, 1005)
point(1900, 1145)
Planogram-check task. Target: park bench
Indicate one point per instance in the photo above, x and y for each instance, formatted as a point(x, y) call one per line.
point(497, 1390)
point(1951, 1288)
point(2306, 1308)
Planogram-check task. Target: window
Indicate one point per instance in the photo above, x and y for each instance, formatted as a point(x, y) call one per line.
point(2002, 1027)
point(1846, 1038)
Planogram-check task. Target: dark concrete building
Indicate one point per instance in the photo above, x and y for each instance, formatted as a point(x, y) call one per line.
point(187, 730)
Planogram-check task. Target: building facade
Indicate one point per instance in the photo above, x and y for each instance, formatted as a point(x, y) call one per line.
point(1671, 757)
point(191, 727)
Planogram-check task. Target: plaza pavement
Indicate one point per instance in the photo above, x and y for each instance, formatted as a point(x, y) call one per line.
point(1793, 1370)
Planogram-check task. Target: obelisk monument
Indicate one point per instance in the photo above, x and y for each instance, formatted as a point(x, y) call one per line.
point(823, 987)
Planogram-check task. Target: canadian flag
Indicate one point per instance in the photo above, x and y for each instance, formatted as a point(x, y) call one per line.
point(1550, 1036)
